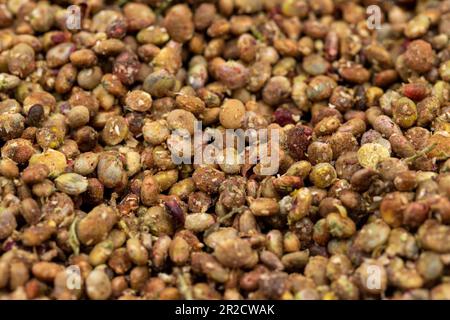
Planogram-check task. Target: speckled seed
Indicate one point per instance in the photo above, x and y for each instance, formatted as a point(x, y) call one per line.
point(137, 252)
point(7, 223)
point(101, 252)
point(95, 226)
point(98, 285)
point(54, 160)
point(198, 222)
point(264, 206)
point(232, 114)
point(340, 226)
point(233, 253)
point(115, 130)
point(181, 120)
point(323, 175)
point(138, 100)
point(372, 235)
point(71, 183)
point(370, 154)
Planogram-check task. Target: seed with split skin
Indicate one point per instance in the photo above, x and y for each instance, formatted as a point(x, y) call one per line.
point(71, 183)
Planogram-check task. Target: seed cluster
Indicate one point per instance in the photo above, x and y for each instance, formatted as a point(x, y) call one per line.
point(92, 205)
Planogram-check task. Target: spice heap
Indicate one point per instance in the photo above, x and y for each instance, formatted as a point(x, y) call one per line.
point(92, 205)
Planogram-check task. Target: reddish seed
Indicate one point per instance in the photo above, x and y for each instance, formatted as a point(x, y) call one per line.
point(283, 117)
point(175, 211)
point(298, 140)
point(415, 91)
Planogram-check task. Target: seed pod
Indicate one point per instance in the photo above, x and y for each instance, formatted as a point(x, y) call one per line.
point(181, 120)
point(8, 81)
point(83, 58)
point(8, 168)
point(11, 127)
point(441, 141)
point(355, 73)
point(405, 112)
point(138, 100)
point(276, 90)
point(429, 265)
point(232, 114)
point(402, 277)
point(298, 140)
point(321, 234)
point(208, 179)
point(46, 271)
point(95, 226)
point(71, 183)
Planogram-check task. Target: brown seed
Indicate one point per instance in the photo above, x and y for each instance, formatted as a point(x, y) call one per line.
point(419, 56)
point(233, 253)
point(96, 225)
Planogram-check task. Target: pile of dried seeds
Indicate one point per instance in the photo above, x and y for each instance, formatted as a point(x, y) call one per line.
point(92, 205)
